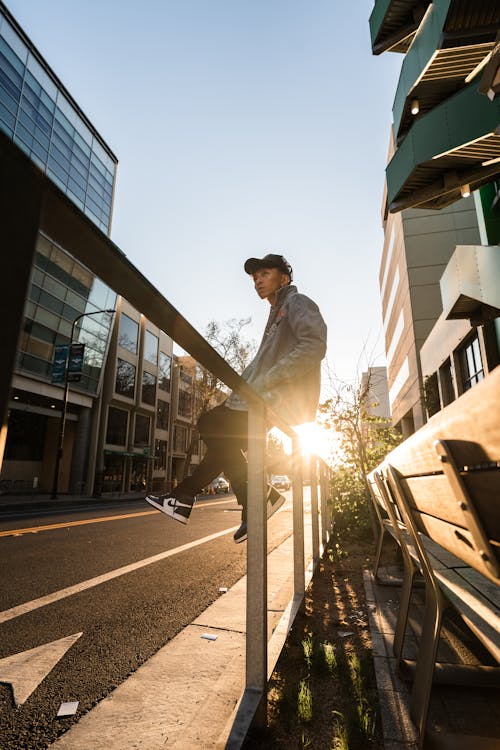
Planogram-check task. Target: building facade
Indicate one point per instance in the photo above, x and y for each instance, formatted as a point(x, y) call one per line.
point(43, 119)
point(129, 416)
point(440, 271)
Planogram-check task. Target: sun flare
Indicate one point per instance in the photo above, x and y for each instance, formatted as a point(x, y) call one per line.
point(314, 440)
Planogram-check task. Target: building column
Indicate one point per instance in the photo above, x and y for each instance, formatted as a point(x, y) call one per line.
point(20, 202)
point(80, 452)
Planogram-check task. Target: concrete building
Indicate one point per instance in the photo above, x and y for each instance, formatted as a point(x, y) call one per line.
point(418, 243)
point(375, 387)
point(440, 277)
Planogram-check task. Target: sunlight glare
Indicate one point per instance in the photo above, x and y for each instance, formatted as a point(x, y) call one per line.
point(314, 440)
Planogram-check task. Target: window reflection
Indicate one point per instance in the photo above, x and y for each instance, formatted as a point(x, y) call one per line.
point(128, 334)
point(125, 378)
point(151, 348)
point(148, 388)
point(162, 413)
point(164, 372)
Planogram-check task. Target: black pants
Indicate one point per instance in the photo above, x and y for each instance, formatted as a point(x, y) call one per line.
point(225, 433)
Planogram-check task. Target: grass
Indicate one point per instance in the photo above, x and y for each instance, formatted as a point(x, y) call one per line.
point(304, 702)
point(322, 693)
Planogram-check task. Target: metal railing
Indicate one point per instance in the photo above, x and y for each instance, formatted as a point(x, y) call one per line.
point(29, 203)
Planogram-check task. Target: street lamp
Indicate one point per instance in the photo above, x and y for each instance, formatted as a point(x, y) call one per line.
point(62, 421)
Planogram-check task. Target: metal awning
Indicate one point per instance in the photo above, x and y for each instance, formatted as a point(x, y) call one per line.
point(470, 284)
point(453, 147)
point(452, 46)
point(393, 24)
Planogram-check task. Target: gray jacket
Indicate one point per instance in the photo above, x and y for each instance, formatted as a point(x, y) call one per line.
point(286, 368)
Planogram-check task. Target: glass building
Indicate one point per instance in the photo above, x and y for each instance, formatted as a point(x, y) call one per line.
point(62, 290)
point(39, 114)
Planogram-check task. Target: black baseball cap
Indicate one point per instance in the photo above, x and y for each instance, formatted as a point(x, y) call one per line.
point(269, 261)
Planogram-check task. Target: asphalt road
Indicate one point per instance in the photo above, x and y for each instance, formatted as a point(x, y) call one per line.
point(125, 616)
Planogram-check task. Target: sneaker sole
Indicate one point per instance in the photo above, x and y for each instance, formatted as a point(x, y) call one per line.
point(168, 511)
point(241, 539)
point(273, 507)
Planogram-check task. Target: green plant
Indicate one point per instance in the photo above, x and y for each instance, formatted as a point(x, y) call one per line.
point(329, 656)
point(308, 648)
point(362, 719)
point(341, 738)
point(304, 702)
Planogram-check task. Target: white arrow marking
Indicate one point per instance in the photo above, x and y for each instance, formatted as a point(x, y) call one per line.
point(26, 670)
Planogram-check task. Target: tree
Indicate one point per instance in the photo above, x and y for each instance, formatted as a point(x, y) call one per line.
point(228, 340)
point(363, 442)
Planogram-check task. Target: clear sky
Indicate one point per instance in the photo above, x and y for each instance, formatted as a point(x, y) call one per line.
point(241, 127)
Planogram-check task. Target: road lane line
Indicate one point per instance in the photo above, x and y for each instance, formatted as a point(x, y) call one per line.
point(83, 522)
point(21, 609)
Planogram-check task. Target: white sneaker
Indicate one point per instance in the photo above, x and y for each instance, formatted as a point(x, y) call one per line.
point(274, 500)
point(178, 508)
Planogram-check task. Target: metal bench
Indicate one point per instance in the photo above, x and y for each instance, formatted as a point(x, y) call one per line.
point(438, 496)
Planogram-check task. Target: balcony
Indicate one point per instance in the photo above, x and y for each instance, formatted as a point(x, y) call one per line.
point(451, 46)
point(393, 24)
point(470, 284)
point(451, 150)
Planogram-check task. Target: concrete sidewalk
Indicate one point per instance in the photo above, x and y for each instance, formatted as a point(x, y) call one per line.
point(185, 696)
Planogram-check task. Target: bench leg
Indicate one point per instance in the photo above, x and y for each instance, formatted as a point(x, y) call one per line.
point(435, 606)
point(409, 574)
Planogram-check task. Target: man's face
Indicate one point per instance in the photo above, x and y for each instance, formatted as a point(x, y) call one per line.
point(267, 281)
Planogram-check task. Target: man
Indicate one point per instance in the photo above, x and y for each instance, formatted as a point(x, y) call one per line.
point(285, 372)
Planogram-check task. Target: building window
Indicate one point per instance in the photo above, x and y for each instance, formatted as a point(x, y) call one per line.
point(151, 348)
point(148, 388)
point(185, 402)
point(165, 370)
point(446, 380)
point(471, 364)
point(25, 436)
point(125, 379)
point(129, 333)
point(180, 439)
point(160, 454)
point(162, 412)
point(195, 442)
point(186, 377)
point(141, 435)
point(431, 391)
point(117, 426)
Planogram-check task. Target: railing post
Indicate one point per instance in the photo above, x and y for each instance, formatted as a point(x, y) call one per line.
point(325, 495)
point(298, 518)
point(256, 640)
point(313, 472)
point(324, 505)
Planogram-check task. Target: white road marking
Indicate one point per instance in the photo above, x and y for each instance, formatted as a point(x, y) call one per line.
point(26, 670)
point(21, 609)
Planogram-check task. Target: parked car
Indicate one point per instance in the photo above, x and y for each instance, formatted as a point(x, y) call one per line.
point(221, 485)
point(281, 481)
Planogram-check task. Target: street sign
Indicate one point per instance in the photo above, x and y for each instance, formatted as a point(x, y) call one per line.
point(59, 363)
point(75, 363)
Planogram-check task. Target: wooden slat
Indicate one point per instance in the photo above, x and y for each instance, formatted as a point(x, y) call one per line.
point(433, 495)
point(490, 590)
point(458, 541)
point(442, 558)
point(474, 418)
point(478, 613)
